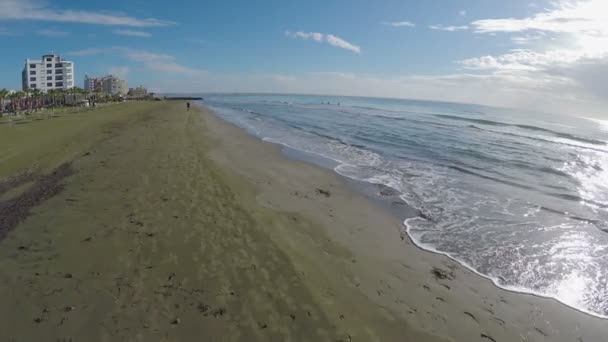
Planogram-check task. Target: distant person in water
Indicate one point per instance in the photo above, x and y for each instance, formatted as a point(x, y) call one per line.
point(188, 105)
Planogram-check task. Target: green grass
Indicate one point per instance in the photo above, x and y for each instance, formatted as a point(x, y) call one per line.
point(45, 143)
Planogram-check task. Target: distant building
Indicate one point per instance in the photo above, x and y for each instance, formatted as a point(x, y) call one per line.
point(49, 73)
point(107, 84)
point(138, 92)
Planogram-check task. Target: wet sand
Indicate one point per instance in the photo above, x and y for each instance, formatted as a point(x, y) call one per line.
point(176, 226)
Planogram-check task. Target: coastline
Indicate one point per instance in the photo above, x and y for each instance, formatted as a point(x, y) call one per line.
point(177, 225)
point(529, 317)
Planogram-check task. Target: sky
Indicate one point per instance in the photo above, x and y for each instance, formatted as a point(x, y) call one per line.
point(545, 55)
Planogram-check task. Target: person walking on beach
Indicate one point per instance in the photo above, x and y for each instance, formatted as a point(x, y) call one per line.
point(188, 105)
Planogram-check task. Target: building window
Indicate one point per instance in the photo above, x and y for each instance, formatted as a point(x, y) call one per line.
point(33, 66)
point(49, 59)
point(49, 78)
point(58, 78)
point(59, 84)
point(32, 85)
point(58, 65)
point(49, 84)
point(49, 65)
point(33, 72)
point(49, 71)
point(32, 79)
point(59, 71)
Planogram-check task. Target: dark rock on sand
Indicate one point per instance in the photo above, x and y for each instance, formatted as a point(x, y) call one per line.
point(442, 274)
point(323, 192)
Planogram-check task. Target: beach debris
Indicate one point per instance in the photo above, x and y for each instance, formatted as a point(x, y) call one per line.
point(488, 337)
point(171, 276)
point(341, 317)
point(541, 332)
point(346, 338)
point(23, 248)
point(175, 321)
point(88, 239)
point(68, 309)
point(86, 154)
point(203, 308)
point(262, 325)
point(219, 312)
point(471, 316)
point(500, 321)
point(442, 274)
point(293, 317)
point(38, 320)
point(323, 192)
point(68, 275)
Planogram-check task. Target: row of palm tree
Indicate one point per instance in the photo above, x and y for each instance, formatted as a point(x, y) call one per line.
point(35, 99)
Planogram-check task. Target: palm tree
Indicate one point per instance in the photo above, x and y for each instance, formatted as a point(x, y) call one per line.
point(36, 94)
point(15, 105)
point(17, 97)
point(3, 95)
point(36, 101)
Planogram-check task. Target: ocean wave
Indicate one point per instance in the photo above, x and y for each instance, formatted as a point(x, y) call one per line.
point(526, 127)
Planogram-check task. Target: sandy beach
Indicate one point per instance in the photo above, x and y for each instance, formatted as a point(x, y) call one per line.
point(147, 222)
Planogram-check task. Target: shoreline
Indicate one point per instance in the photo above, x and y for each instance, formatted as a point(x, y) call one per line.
point(497, 289)
point(413, 213)
point(191, 227)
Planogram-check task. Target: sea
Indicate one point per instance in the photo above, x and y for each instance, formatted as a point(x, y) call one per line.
point(519, 197)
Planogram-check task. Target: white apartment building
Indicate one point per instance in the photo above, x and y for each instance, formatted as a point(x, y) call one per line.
point(48, 74)
point(110, 84)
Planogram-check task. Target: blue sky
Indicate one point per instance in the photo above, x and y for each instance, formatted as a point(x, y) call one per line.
point(541, 54)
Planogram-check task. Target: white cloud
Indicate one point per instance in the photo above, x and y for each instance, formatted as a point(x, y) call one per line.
point(51, 32)
point(400, 24)
point(325, 38)
point(86, 52)
point(527, 39)
point(523, 60)
point(41, 11)
point(462, 13)
point(131, 33)
point(587, 17)
point(341, 43)
point(566, 52)
point(317, 37)
point(158, 62)
point(448, 28)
